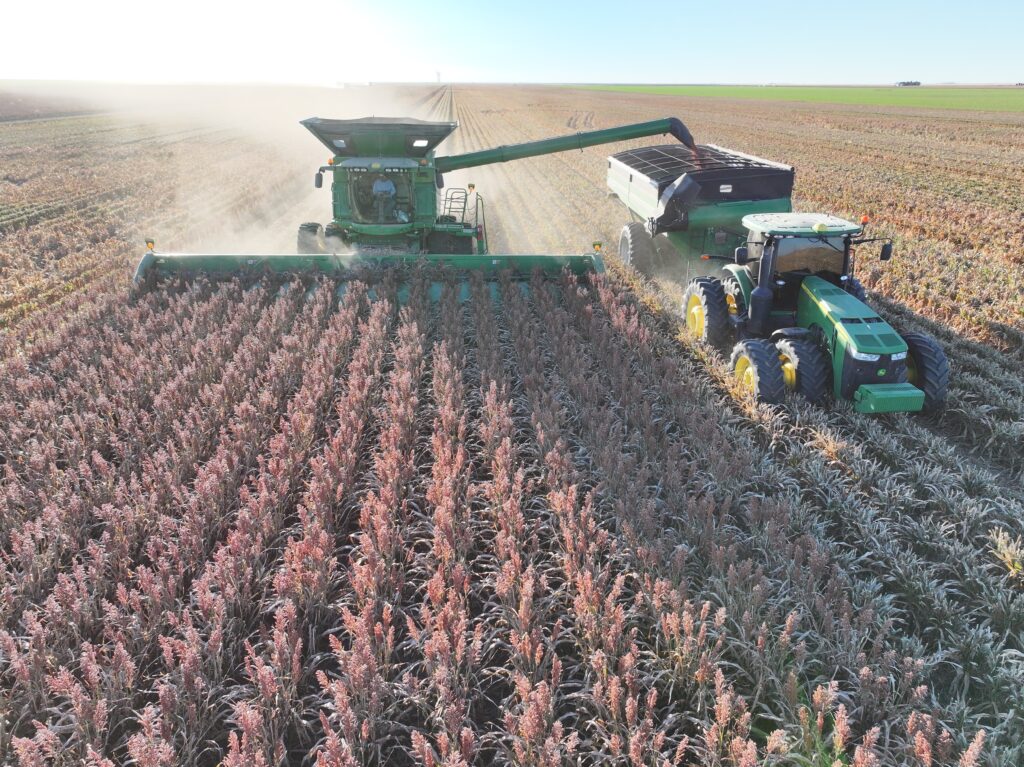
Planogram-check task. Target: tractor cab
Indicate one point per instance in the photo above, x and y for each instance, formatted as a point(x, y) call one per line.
point(783, 250)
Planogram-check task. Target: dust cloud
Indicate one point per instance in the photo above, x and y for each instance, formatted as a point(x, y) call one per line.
point(276, 156)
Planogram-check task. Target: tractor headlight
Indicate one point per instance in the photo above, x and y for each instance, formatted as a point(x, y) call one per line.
point(899, 356)
point(860, 356)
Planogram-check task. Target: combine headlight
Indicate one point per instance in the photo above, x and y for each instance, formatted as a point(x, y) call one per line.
point(899, 356)
point(860, 356)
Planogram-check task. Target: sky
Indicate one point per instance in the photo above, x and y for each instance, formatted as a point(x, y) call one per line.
point(324, 42)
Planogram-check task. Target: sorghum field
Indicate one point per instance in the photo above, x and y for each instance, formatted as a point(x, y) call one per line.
point(403, 521)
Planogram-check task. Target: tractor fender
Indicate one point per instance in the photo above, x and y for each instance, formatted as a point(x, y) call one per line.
point(742, 276)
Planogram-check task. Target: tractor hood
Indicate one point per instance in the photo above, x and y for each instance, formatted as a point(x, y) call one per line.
point(860, 328)
point(379, 136)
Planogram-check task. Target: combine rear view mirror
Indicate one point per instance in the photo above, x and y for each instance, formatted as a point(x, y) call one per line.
point(741, 255)
point(318, 180)
point(886, 253)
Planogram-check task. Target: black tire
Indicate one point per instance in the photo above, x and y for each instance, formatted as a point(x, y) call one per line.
point(334, 240)
point(715, 328)
point(928, 370)
point(811, 366)
point(310, 238)
point(761, 370)
point(856, 289)
point(636, 248)
point(734, 302)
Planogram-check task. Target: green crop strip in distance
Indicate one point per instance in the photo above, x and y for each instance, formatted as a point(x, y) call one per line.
point(1008, 99)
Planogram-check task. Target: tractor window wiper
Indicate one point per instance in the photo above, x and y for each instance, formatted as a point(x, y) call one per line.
point(824, 239)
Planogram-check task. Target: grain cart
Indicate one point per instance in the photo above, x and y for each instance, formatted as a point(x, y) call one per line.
point(387, 208)
point(785, 302)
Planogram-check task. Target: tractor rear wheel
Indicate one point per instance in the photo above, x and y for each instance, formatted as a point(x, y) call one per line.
point(755, 363)
point(805, 368)
point(928, 370)
point(311, 238)
point(706, 313)
point(636, 248)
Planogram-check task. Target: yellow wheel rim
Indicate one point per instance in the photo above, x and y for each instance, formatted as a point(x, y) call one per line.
point(911, 370)
point(730, 303)
point(746, 374)
point(695, 316)
point(788, 371)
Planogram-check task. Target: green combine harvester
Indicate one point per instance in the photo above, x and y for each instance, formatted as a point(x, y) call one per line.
point(786, 302)
point(387, 206)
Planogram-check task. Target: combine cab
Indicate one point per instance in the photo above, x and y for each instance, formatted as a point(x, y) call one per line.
point(390, 205)
point(786, 302)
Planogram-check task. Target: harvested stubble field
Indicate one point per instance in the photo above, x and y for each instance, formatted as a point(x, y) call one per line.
point(529, 524)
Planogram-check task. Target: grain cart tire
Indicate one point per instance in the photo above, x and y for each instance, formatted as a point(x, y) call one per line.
point(734, 302)
point(928, 370)
point(856, 289)
point(311, 238)
point(706, 313)
point(636, 248)
point(755, 363)
point(806, 368)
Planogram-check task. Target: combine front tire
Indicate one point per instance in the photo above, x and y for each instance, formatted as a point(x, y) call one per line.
point(928, 370)
point(805, 368)
point(755, 363)
point(706, 313)
point(311, 238)
point(636, 248)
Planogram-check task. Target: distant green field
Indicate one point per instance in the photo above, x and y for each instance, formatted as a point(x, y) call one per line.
point(986, 99)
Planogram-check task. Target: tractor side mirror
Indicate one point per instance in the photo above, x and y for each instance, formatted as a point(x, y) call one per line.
point(886, 253)
point(742, 255)
point(318, 180)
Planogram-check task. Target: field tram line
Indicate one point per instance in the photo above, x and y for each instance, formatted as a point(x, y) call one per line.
point(921, 578)
point(523, 225)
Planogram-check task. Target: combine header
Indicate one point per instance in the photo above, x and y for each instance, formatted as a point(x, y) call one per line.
point(388, 207)
point(786, 301)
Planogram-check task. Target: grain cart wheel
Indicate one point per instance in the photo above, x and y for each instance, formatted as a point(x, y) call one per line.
point(636, 248)
point(311, 238)
point(928, 370)
point(805, 368)
point(734, 298)
point(706, 312)
point(755, 363)
point(856, 289)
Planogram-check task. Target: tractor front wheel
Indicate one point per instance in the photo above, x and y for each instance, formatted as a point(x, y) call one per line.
point(928, 370)
point(636, 248)
point(706, 313)
point(311, 238)
point(805, 368)
point(755, 363)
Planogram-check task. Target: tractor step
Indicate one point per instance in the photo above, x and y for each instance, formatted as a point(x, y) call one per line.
point(888, 398)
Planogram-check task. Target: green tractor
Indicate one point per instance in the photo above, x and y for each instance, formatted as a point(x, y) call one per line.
point(387, 208)
point(786, 303)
